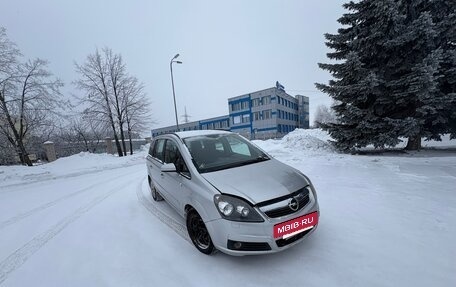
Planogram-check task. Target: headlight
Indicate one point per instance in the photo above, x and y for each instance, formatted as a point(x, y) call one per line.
point(236, 209)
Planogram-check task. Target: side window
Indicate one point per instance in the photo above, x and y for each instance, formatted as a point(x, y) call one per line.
point(151, 148)
point(181, 167)
point(158, 150)
point(171, 152)
point(219, 146)
point(173, 155)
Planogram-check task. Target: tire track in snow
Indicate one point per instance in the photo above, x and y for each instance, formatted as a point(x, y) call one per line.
point(26, 214)
point(163, 217)
point(70, 175)
point(21, 255)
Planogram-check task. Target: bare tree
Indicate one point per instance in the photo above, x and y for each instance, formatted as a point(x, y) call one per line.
point(97, 130)
point(95, 81)
point(114, 95)
point(29, 96)
point(136, 107)
point(117, 78)
point(324, 115)
point(84, 130)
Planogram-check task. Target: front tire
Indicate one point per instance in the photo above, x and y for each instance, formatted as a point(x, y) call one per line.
point(198, 233)
point(153, 191)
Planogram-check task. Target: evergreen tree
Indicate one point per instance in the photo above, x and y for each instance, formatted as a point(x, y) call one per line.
point(388, 74)
point(444, 13)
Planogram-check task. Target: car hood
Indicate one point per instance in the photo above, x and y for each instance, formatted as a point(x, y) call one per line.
point(257, 182)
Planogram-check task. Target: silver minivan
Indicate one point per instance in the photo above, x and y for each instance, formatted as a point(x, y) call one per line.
point(233, 196)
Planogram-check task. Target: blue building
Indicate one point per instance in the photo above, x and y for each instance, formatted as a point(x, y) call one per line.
point(264, 114)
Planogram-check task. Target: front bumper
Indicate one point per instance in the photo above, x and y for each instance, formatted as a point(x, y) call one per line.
point(225, 233)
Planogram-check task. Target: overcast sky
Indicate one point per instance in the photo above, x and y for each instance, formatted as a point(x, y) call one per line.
point(228, 48)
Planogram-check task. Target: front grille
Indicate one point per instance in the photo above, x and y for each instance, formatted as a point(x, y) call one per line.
point(303, 200)
point(248, 246)
point(285, 242)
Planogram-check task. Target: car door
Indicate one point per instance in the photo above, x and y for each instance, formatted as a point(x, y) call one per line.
point(175, 183)
point(155, 162)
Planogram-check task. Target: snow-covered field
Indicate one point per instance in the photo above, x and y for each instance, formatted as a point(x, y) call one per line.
point(89, 220)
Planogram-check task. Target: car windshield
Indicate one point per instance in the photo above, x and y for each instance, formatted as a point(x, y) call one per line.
point(222, 151)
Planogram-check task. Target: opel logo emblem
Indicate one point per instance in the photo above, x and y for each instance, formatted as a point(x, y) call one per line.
point(293, 204)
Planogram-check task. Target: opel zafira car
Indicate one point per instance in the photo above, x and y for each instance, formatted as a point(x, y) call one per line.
point(233, 196)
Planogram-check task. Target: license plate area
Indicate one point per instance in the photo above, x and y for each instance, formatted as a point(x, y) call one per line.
point(294, 226)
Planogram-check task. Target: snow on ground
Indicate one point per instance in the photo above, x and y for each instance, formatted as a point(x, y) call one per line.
point(386, 220)
point(314, 141)
point(74, 165)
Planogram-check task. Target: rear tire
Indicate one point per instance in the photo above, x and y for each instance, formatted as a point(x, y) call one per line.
point(198, 233)
point(153, 191)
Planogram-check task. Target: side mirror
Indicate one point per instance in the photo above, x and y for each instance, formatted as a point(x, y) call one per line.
point(168, 167)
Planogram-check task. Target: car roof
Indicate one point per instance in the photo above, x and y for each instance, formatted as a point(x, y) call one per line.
point(188, 134)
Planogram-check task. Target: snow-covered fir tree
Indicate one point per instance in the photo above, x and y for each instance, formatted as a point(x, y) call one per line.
point(388, 73)
point(444, 14)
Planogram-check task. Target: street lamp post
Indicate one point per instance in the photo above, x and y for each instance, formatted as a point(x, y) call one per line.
point(172, 83)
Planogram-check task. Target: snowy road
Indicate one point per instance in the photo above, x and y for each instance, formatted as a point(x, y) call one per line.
point(386, 221)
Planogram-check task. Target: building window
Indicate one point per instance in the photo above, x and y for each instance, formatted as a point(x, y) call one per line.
point(236, 106)
point(256, 116)
point(256, 102)
point(267, 114)
point(240, 106)
point(244, 105)
point(246, 118)
point(236, 120)
point(266, 100)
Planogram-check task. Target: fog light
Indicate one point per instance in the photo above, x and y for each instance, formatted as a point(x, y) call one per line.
point(237, 245)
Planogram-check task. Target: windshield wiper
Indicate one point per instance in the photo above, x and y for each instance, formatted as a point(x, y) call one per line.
point(236, 164)
point(255, 160)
